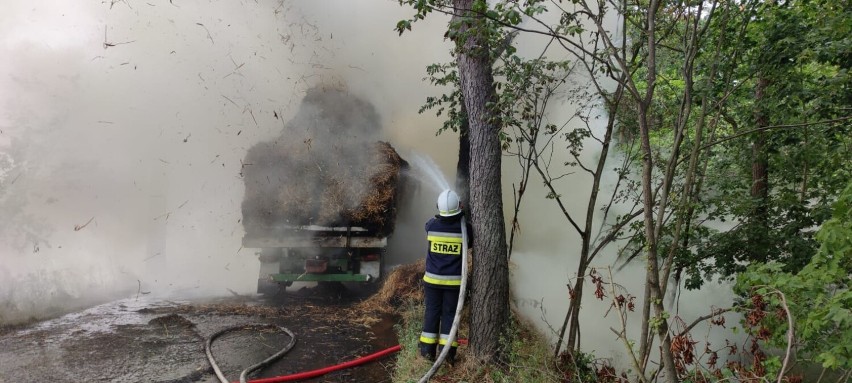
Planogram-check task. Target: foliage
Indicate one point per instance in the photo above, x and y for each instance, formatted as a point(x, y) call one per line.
point(718, 95)
point(527, 357)
point(799, 53)
point(788, 46)
point(819, 296)
point(446, 75)
point(409, 365)
point(520, 83)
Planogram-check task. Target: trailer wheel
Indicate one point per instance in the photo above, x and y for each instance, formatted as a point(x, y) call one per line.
point(269, 288)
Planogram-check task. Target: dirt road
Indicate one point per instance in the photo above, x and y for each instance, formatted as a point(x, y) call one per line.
point(147, 340)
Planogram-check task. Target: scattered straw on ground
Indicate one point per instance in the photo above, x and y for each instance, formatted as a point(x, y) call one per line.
point(217, 308)
point(403, 284)
point(171, 320)
point(400, 288)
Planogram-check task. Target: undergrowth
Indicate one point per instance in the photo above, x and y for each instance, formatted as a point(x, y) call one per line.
point(527, 357)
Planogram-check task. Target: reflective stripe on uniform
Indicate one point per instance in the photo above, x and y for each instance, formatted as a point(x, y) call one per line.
point(445, 280)
point(444, 236)
point(429, 337)
point(443, 341)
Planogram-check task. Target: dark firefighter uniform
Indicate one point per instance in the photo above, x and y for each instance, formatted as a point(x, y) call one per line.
point(442, 282)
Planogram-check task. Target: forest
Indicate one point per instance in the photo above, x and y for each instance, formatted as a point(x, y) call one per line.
point(727, 127)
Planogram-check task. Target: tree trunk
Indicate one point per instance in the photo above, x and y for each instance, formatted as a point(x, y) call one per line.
point(759, 173)
point(574, 327)
point(463, 166)
point(490, 285)
point(760, 177)
point(653, 297)
point(572, 318)
point(652, 276)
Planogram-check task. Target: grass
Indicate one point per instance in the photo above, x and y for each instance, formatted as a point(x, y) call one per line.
point(527, 356)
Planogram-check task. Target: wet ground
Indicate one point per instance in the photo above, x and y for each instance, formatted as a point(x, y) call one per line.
point(140, 339)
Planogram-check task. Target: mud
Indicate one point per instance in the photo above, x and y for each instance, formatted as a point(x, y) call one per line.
point(149, 340)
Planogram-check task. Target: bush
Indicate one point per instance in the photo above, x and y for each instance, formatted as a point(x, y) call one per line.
point(818, 297)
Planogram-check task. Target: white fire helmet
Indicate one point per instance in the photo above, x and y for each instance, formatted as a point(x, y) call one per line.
point(448, 203)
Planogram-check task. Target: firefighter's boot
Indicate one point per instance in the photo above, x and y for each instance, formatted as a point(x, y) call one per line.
point(428, 351)
point(451, 355)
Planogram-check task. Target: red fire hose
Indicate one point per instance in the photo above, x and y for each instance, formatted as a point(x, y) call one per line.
point(296, 376)
point(322, 371)
point(326, 370)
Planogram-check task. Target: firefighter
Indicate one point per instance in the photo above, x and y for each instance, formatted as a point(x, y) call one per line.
point(442, 280)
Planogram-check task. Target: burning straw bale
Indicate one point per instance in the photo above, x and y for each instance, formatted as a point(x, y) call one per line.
point(384, 176)
point(294, 184)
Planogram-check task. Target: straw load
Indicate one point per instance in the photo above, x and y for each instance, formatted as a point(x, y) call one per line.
point(328, 183)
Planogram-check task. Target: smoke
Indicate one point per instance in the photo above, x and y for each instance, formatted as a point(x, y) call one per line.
point(547, 249)
point(123, 126)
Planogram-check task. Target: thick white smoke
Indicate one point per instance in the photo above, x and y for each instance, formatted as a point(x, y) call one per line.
point(123, 125)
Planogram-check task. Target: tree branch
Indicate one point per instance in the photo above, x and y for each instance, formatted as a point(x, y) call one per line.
point(804, 124)
point(703, 318)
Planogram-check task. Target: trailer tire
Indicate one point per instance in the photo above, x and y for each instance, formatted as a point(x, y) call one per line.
point(268, 288)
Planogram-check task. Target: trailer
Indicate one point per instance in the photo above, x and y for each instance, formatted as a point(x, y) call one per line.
point(317, 254)
point(320, 207)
